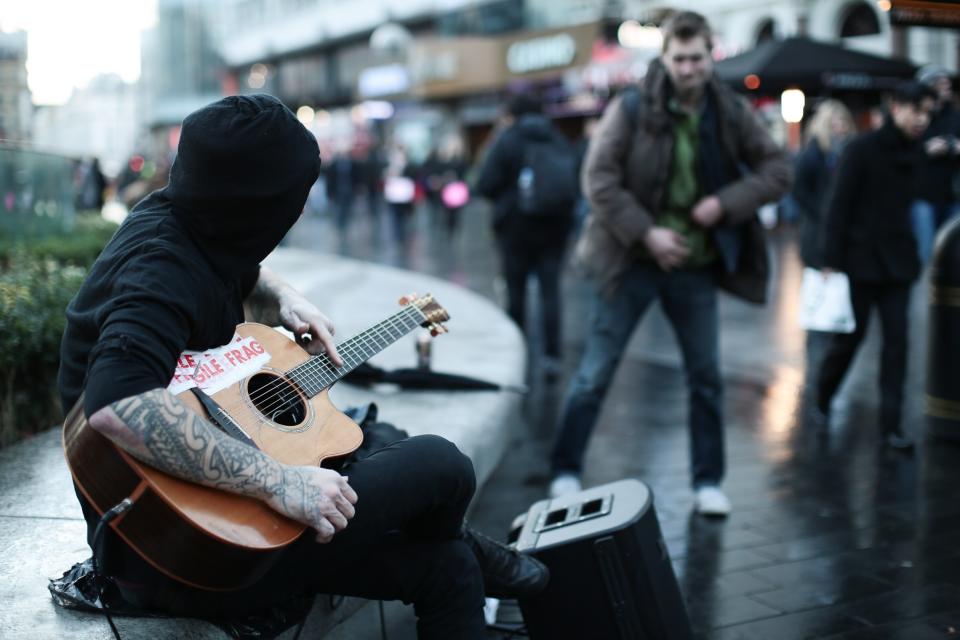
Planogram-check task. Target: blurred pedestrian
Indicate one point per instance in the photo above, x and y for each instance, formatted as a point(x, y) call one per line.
point(829, 130)
point(342, 177)
point(827, 134)
point(674, 176)
point(530, 175)
point(91, 185)
point(448, 175)
point(868, 237)
point(937, 199)
point(373, 168)
point(400, 191)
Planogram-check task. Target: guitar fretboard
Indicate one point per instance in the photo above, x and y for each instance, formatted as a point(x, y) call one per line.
point(318, 373)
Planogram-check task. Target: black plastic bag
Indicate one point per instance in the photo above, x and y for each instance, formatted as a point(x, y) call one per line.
point(81, 589)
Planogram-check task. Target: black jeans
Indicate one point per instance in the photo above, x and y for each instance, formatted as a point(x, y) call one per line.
point(520, 257)
point(402, 544)
point(892, 302)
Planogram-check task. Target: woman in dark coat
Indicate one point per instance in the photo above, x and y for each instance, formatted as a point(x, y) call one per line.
point(827, 133)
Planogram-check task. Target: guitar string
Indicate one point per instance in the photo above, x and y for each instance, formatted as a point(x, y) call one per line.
point(318, 373)
point(351, 348)
point(320, 369)
point(319, 366)
point(287, 397)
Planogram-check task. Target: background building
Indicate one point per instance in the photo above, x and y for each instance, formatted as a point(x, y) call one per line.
point(15, 100)
point(418, 70)
point(100, 120)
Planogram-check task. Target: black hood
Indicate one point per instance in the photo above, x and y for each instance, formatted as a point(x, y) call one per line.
point(243, 170)
point(535, 126)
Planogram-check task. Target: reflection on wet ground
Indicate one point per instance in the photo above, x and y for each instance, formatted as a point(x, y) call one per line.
point(831, 537)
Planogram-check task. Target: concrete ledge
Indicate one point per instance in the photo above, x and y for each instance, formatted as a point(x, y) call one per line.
point(42, 531)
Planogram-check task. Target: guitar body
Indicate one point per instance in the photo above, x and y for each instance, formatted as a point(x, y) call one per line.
point(204, 537)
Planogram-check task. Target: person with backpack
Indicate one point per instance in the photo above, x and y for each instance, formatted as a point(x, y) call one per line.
point(530, 174)
point(674, 175)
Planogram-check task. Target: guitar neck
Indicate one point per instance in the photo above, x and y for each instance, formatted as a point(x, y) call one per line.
point(318, 373)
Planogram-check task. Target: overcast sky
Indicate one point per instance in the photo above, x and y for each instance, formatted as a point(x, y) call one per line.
point(71, 41)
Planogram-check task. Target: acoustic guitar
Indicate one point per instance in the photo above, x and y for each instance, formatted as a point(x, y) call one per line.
point(212, 539)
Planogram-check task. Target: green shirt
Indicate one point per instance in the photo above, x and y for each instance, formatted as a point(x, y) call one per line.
point(683, 189)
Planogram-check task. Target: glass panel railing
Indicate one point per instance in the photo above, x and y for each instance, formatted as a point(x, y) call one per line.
point(36, 192)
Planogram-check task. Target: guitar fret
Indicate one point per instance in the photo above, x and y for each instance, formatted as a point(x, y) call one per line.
point(318, 373)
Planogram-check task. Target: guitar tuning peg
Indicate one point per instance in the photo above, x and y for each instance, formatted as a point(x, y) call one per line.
point(434, 331)
point(403, 301)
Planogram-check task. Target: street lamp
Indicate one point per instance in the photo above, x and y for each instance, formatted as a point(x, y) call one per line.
point(633, 35)
point(792, 102)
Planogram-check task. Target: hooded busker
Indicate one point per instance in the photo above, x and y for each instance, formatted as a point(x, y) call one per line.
point(243, 169)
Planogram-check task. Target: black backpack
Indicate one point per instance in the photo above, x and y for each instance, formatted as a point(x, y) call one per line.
point(547, 181)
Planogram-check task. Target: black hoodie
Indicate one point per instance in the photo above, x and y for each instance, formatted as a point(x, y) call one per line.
point(498, 178)
point(175, 274)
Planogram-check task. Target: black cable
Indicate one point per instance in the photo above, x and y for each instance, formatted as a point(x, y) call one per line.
point(383, 622)
point(99, 580)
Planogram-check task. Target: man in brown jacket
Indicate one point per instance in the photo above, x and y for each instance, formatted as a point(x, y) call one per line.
point(674, 175)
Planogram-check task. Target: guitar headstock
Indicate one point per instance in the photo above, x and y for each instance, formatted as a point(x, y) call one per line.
point(433, 314)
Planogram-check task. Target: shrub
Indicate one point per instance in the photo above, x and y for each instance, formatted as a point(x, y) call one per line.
point(78, 248)
point(38, 277)
point(33, 296)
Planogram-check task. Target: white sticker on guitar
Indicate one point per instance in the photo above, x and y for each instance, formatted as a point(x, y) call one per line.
point(216, 369)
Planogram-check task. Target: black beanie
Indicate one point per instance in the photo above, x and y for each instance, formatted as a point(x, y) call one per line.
point(243, 170)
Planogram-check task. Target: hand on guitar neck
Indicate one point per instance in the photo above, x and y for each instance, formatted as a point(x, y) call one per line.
point(158, 429)
point(273, 302)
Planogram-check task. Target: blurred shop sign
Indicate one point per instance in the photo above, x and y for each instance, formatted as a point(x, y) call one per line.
point(926, 13)
point(549, 51)
point(539, 54)
point(444, 67)
point(437, 68)
point(383, 80)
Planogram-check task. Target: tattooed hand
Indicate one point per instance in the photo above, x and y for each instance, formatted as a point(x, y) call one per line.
point(317, 497)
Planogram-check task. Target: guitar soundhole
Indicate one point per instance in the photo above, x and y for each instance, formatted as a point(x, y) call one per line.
point(277, 399)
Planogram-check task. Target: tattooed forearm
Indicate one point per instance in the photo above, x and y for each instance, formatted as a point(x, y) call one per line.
point(163, 432)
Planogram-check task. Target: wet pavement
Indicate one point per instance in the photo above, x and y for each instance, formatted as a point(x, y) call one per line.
point(831, 536)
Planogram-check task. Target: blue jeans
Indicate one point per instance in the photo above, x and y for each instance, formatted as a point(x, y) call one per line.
point(689, 299)
point(927, 218)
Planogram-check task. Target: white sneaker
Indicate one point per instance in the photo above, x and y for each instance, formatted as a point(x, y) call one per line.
point(711, 501)
point(565, 484)
point(490, 610)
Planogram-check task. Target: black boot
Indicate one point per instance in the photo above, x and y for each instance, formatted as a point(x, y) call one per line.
point(507, 573)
